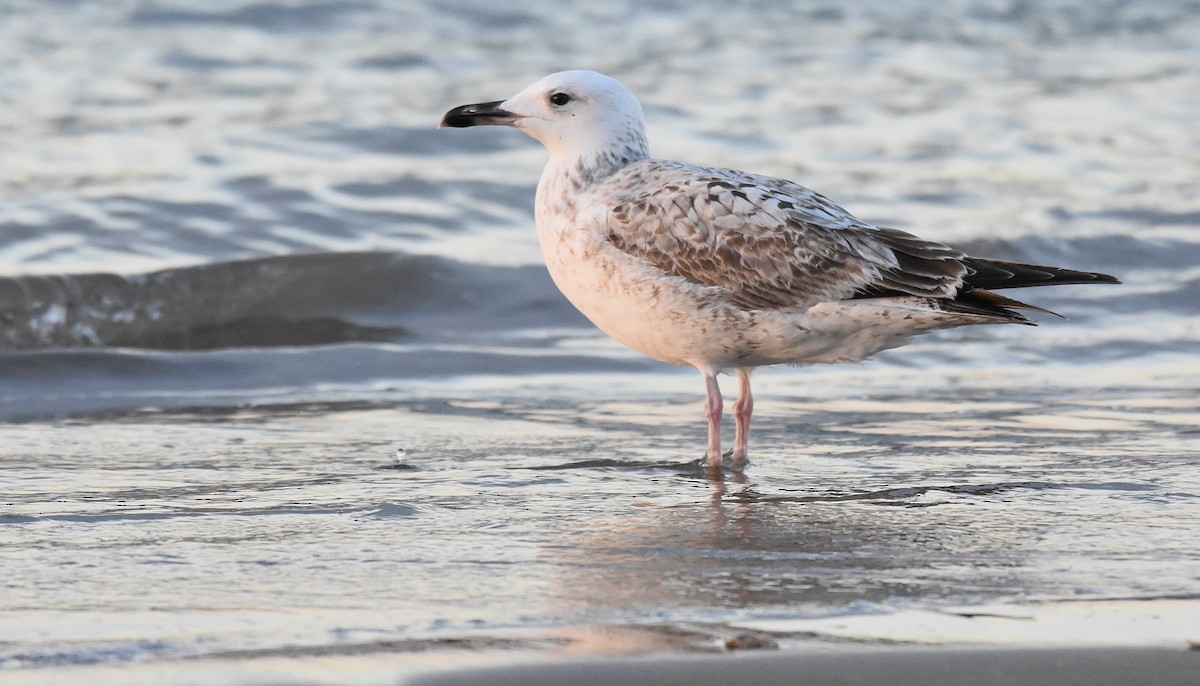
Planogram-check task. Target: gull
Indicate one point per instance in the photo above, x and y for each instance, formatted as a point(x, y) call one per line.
point(727, 270)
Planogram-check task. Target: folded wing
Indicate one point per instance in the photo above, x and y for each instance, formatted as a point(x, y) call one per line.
point(773, 244)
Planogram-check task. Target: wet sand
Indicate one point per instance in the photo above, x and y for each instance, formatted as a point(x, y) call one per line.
point(883, 667)
point(1117, 653)
point(958, 516)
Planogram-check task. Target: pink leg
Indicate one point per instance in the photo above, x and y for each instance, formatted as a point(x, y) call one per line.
point(712, 408)
point(742, 409)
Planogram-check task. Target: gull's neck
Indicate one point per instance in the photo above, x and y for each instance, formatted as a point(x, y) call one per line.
point(573, 171)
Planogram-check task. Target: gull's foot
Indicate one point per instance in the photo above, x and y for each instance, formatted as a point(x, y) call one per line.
point(714, 465)
point(718, 468)
point(739, 462)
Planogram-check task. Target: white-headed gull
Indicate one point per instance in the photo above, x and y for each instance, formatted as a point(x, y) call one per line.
point(726, 270)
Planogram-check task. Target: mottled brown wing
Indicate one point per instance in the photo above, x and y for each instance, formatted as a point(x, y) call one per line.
point(772, 243)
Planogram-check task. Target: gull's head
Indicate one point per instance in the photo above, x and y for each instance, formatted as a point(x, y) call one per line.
point(570, 112)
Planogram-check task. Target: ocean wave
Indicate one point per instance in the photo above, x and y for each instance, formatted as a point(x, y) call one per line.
point(329, 298)
point(297, 300)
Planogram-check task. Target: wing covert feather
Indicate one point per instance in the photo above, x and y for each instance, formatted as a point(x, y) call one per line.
point(771, 243)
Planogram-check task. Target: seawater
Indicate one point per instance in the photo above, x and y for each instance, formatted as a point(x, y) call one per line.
point(240, 268)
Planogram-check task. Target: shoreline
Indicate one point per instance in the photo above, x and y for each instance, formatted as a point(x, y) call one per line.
point(893, 666)
point(1093, 642)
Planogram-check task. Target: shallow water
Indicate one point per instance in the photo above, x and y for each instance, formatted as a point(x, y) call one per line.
point(239, 269)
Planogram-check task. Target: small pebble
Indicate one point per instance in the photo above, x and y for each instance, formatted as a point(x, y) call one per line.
point(749, 641)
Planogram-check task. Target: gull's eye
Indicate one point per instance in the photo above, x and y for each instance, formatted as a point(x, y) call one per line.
point(559, 99)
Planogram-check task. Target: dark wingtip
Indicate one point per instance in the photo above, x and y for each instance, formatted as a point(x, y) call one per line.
point(997, 274)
